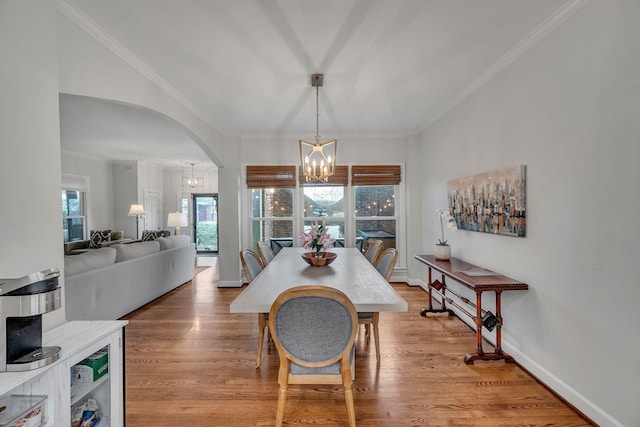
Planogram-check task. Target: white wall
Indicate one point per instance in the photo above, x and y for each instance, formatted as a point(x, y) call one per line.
point(99, 196)
point(30, 176)
point(568, 109)
point(125, 190)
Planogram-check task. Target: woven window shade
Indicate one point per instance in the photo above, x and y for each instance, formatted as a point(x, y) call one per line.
point(375, 175)
point(271, 176)
point(339, 177)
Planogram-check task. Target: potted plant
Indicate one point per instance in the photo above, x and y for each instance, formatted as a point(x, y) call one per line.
point(442, 248)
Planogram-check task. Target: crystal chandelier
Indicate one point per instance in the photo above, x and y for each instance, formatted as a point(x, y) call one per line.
point(318, 158)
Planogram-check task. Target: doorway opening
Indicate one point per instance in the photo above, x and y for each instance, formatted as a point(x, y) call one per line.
point(205, 223)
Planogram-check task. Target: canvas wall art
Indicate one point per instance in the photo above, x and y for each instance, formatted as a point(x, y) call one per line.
point(490, 202)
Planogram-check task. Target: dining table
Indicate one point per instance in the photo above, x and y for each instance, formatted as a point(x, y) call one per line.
point(350, 272)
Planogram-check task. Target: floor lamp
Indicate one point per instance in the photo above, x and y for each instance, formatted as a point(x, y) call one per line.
point(137, 211)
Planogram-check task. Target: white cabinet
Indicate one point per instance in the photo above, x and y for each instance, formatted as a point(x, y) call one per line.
point(79, 341)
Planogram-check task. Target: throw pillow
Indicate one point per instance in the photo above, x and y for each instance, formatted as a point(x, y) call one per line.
point(96, 237)
point(149, 235)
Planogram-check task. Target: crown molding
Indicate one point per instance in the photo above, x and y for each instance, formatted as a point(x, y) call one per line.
point(530, 40)
point(91, 27)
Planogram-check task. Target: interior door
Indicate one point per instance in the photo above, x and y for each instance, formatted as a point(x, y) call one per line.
point(152, 203)
point(205, 222)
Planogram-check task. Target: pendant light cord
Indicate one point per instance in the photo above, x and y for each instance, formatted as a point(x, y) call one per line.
point(317, 116)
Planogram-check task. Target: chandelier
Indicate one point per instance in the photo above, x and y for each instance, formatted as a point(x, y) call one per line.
point(192, 181)
point(318, 158)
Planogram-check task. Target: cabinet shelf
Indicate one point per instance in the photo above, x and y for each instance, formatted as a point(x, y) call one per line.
point(80, 390)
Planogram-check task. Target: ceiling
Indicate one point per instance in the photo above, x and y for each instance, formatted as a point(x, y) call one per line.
point(390, 66)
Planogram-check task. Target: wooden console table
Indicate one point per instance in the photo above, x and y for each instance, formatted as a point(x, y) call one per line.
point(478, 280)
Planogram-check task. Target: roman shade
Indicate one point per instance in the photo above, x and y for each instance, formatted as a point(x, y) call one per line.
point(271, 176)
point(375, 175)
point(339, 177)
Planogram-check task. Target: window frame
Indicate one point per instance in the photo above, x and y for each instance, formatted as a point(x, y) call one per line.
point(82, 195)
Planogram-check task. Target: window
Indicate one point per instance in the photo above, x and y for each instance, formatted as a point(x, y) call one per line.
point(356, 214)
point(272, 217)
point(375, 204)
point(73, 215)
point(271, 209)
point(74, 220)
point(375, 215)
point(326, 200)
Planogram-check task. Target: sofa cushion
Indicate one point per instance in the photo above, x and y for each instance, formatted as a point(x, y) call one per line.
point(74, 264)
point(148, 235)
point(76, 244)
point(96, 237)
point(135, 250)
point(173, 242)
point(117, 235)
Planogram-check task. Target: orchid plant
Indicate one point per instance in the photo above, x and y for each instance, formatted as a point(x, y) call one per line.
point(449, 221)
point(317, 238)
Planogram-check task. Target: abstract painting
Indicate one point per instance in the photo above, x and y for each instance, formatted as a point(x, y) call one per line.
point(490, 202)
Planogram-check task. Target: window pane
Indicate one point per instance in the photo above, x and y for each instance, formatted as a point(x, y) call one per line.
point(73, 229)
point(375, 200)
point(324, 201)
point(370, 230)
point(71, 203)
point(272, 202)
point(278, 233)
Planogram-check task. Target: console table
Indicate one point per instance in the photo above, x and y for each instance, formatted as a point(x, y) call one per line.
point(478, 280)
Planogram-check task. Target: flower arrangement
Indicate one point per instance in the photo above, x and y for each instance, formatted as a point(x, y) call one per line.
point(449, 221)
point(317, 238)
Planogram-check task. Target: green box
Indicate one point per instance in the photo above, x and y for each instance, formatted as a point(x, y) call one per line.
point(92, 368)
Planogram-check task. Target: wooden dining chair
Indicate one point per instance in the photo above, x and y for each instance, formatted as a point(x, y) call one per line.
point(252, 265)
point(265, 252)
point(384, 264)
point(314, 329)
point(373, 251)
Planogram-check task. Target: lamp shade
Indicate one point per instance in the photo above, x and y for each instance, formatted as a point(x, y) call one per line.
point(136, 210)
point(177, 219)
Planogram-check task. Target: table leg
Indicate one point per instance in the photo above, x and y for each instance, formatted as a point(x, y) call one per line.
point(441, 288)
point(480, 354)
point(499, 325)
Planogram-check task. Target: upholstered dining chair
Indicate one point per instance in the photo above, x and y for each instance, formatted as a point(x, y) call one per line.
point(384, 264)
point(265, 252)
point(373, 250)
point(252, 265)
point(314, 329)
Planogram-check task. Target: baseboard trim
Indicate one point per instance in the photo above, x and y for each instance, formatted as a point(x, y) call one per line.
point(230, 284)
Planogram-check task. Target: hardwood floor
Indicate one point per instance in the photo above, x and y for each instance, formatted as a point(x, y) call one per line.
point(189, 362)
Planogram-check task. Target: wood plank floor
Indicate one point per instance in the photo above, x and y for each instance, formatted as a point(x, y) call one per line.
point(189, 362)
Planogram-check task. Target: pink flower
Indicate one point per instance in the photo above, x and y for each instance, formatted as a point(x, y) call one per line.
point(317, 238)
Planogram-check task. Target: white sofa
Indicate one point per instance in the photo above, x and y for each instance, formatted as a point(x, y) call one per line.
point(108, 283)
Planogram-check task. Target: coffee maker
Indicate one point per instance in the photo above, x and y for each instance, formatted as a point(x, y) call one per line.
point(23, 301)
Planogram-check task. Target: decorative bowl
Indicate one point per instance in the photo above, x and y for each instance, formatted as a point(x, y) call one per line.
point(324, 258)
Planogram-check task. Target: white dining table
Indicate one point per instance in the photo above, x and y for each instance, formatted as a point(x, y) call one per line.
point(350, 272)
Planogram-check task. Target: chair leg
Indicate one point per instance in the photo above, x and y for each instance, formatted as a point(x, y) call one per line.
point(261, 326)
point(367, 331)
point(351, 411)
point(376, 335)
point(282, 396)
